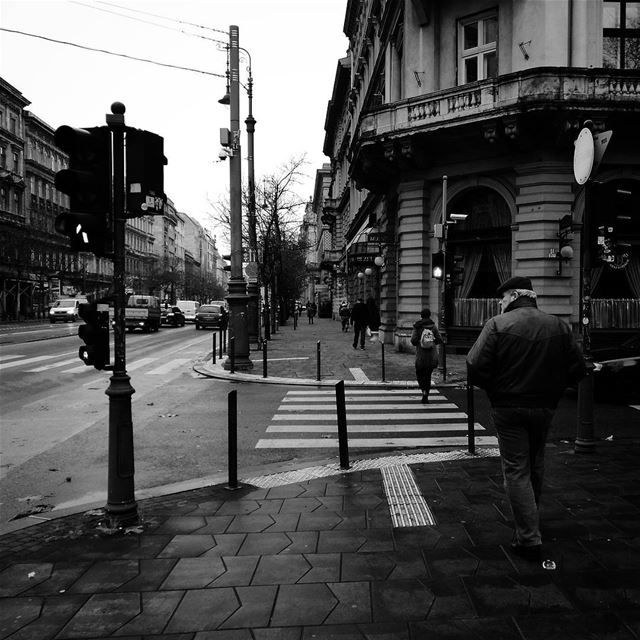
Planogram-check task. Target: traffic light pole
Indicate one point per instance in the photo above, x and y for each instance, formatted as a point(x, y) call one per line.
point(122, 509)
point(443, 299)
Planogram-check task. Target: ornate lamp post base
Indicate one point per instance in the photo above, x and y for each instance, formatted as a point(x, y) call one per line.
point(238, 326)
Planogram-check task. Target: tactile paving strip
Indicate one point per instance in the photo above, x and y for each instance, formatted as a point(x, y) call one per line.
point(407, 505)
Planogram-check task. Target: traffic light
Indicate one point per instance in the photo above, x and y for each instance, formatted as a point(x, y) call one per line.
point(145, 173)
point(455, 268)
point(95, 334)
point(437, 265)
point(87, 182)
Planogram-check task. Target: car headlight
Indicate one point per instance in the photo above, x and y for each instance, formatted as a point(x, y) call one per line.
point(70, 311)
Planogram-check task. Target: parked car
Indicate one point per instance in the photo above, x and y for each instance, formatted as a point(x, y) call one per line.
point(172, 315)
point(212, 315)
point(66, 310)
point(189, 308)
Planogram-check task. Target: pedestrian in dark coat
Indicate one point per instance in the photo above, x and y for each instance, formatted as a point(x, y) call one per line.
point(311, 311)
point(344, 313)
point(360, 322)
point(524, 359)
point(426, 356)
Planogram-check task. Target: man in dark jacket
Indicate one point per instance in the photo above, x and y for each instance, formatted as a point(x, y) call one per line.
point(524, 359)
point(360, 322)
point(426, 353)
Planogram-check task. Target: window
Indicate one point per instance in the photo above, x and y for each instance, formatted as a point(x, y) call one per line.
point(621, 34)
point(478, 39)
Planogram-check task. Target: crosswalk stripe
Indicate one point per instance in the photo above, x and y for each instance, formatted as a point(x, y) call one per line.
point(370, 443)
point(18, 363)
point(139, 363)
point(356, 392)
point(165, 368)
point(53, 365)
point(4, 358)
point(371, 428)
point(407, 400)
point(360, 407)
point(358, 416)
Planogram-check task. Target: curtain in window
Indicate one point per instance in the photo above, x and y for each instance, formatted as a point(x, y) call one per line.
point(633, 274)
point(502, 261)
point(471, 266)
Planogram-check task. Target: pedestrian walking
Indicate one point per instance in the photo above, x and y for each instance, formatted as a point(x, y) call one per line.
point(344, 312)
point(360, 321)
point(524, 359)
point(425, 337)
point(311, 311)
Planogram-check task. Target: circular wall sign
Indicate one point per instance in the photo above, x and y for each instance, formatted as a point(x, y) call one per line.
point(583, 156)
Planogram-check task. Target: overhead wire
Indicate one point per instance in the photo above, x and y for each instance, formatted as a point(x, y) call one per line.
point(112, 53)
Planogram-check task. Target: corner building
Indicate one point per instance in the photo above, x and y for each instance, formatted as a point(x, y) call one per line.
point(491, 95)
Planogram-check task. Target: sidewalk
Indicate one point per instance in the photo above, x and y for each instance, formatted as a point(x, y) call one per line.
point(292, 359)
point(409, 546)
point(321, 558)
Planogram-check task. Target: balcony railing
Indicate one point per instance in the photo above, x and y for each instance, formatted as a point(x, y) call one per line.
point(537, 87)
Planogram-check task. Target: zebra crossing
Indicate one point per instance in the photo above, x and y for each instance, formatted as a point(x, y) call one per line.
point(61, 365)
point(392, 418)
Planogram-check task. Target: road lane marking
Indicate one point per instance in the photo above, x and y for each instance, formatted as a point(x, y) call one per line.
point(165, 368)
point(5, 358)
point(53, 365)
point(359, 375)
point(140, 363)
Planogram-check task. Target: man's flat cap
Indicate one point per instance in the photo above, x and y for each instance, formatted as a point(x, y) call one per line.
point(519, 282)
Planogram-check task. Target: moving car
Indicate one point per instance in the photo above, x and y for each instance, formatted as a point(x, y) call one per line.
point(172, 315)
point(66, 310)
point(189, 308)
point(211, 315)
point(142, 312)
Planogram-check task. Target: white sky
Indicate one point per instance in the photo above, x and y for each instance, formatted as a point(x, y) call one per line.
point(294, 45)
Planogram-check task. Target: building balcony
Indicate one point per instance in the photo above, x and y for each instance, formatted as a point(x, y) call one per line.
point(520, 107)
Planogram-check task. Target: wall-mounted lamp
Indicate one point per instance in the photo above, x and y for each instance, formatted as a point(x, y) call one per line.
point(523, 49)
point(564, 252)
point(379, 261)
point(360, 275)
point(368, 271)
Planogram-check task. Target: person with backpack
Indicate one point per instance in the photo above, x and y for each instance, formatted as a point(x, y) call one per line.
point(425, 338)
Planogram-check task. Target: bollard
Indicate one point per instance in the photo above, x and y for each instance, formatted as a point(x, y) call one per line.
point(295, 321)
point(221, 341)
point(382, 345)
point(264, 359)
point(343, 440)
point(471, 418)
point(318, 360)
point(213, 354)
point(232, 435)
point(232, 355)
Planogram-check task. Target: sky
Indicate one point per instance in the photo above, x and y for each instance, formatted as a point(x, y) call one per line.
point(294, 45)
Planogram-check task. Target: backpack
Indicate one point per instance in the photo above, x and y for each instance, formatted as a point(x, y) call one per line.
point(427, 339)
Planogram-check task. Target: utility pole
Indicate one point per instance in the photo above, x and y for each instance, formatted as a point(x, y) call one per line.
point(443, 298)
point(237, 298)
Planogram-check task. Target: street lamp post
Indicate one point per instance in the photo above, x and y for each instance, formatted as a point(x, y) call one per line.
point(443, 284)
point(237, 297)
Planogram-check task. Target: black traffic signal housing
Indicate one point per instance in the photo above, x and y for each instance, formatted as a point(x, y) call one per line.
point(87, 181)
point(95, 334)
point(455, 269)
point(437, 265)
point(145, 162)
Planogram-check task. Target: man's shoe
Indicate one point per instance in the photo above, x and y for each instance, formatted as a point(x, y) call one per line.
point(362, 348)
point(531, 554)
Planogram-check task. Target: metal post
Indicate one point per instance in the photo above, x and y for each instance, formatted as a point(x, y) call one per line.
point(585, 440)
point(343, 439)
point(318, 360)
point(383, 372)
point(214, 348)
point(264, 359)
point(222, 339)
point(121, 508)
point(443, 284)
point(232, 355)
point(232, 438)
point(471, 417)
point(237, 285)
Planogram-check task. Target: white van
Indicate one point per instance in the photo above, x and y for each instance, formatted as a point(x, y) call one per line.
point(66, 309)
point(189, 308)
